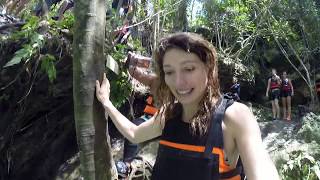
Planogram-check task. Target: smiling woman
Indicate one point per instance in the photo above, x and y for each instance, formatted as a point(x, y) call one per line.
point(202, 133)
point(182, 74)
point(191, 63)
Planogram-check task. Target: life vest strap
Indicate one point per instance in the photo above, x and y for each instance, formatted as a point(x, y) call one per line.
point(196, 151)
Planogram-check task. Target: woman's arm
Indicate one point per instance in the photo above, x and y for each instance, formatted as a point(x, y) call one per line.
point(268, 87)
point(148, 79)
point(292, 91)
point(137, 60)
point(136, 134)
point(245, 130)
point(138, 66)
point(279, 81)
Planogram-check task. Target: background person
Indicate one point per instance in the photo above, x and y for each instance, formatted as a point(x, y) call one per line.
point(273, 88)
point(286, 93)
point(138, 69)
point(235, 89)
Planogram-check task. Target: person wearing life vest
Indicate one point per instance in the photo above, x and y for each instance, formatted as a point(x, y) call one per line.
point(235, 89)
point(139, 70)
point(201, 133)
point(286, 93)
point(273, 92)
point(318, 88)
point(122, 34)
point(131, 149)
point(124, 8)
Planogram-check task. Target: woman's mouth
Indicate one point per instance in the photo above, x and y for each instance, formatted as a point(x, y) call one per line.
point(184, 92)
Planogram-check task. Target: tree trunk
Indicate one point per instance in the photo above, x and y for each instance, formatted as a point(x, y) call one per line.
point(156, 21)
point(88, 65)
point(181, 21)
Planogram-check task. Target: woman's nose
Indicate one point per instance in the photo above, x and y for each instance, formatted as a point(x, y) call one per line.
point(180, 80)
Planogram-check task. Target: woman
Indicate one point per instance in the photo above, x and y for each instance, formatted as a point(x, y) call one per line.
point(189, 95)
point(273, 88)
point(286, 93)
point(235, 89)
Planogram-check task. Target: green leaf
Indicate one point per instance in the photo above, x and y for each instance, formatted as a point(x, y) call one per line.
point(47, 65)
point(21, 54)
point(13, 61)
point(52, 73)
point(37, 40)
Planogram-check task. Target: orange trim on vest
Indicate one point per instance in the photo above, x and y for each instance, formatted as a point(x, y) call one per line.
point(150, 110)
point(237, 177)
point(223, 167)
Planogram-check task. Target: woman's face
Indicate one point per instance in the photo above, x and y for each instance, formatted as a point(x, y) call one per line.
point(185, 75)
point(284, 74)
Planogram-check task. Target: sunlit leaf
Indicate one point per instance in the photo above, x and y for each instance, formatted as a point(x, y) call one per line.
point(13, 61)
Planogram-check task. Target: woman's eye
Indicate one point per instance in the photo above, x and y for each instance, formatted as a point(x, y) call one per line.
point(189, 69)
point(167, 73)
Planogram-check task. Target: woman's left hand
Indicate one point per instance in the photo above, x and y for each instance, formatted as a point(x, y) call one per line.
point(103, 91)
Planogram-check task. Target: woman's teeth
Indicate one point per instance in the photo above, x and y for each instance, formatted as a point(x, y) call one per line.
point(184, 91)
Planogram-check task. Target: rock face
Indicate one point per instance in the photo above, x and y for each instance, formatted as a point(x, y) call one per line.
point(278, 135)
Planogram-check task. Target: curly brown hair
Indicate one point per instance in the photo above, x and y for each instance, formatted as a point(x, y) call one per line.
point(191, 43)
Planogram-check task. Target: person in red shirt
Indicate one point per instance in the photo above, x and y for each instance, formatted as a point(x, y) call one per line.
point(318, 88)
point(273, 89)
point(286, 93)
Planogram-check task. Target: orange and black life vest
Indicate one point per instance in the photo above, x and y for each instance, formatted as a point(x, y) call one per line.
point(150, 109)
point(285, 86)
point(183, 156)
point(318, 87)
point(274, 84)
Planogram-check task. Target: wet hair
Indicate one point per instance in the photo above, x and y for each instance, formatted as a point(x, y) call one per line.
point(191, 43)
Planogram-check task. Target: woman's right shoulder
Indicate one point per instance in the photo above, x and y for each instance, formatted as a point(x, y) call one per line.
point(238, 114)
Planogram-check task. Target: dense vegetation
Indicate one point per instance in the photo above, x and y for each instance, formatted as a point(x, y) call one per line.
point(250, 36)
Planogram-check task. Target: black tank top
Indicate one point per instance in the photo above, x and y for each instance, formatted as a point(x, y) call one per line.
point(181, 154)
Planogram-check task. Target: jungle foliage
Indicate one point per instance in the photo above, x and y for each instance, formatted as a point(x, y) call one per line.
point(250, 37)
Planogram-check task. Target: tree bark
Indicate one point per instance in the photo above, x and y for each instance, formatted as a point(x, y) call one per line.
point(88, 65)
point(181, 20)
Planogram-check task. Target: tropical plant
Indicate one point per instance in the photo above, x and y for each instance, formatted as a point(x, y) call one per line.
point(300, 166)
